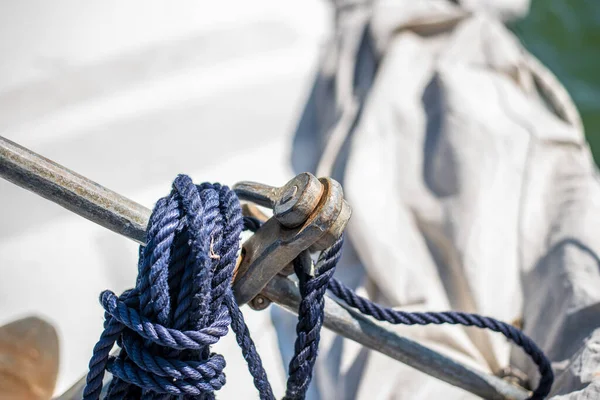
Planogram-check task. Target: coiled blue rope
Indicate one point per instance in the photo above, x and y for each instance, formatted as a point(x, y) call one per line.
point(183, 303)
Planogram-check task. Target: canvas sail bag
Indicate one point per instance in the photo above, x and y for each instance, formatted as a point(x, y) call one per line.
point(473, 189)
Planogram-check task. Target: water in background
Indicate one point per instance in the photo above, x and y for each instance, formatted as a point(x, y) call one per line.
point(565, 36)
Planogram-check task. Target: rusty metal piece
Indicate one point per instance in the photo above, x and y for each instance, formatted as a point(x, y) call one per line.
point(276, 244)
point(251, 210)
point(28, 359)
point(298, 200)
point(336, 229)
point(259, 302)
point(292, 204)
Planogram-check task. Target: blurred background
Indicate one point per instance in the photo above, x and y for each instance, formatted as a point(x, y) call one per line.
point(565, 36)
point(132, 93)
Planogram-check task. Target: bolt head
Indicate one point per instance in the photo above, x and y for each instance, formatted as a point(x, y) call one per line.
point(259, 302)
point(289, 194)
point(298, 199)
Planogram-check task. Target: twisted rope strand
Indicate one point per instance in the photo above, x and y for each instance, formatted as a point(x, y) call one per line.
point(381, 313)
point(182, 304)
point(310, 319)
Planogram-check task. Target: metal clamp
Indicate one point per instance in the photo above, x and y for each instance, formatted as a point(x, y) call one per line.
point(308, 214)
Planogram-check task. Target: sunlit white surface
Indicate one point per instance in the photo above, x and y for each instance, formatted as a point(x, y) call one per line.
point(130, 95)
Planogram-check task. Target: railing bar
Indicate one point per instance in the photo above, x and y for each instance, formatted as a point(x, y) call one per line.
point(128, 218)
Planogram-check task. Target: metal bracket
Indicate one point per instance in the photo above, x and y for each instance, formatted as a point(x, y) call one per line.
point(309, 214)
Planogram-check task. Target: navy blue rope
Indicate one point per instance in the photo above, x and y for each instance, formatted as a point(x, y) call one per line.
point(310, 319)
point(183, 303)
point(392, 316)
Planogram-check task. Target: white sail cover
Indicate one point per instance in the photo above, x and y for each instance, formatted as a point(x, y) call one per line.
point(464, 160)
point(473, 189)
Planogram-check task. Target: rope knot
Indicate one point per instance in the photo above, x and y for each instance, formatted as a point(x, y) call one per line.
point(182, 302)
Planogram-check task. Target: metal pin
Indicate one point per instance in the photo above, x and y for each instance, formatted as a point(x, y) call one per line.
point(121, 215)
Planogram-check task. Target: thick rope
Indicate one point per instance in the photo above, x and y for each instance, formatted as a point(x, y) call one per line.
point(310, 319)
point(183, 303)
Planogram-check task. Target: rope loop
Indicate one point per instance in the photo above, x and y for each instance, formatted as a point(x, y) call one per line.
point(181, 305)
